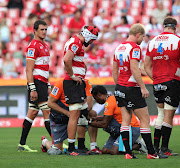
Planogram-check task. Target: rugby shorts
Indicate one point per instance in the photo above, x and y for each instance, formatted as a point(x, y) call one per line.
point(167, 92)
point(129, 97)
point(74, 93)
point(42, 91)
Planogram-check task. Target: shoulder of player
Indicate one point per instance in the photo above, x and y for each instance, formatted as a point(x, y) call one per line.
point(59, 83)
point(87, 82)
point(111, 100)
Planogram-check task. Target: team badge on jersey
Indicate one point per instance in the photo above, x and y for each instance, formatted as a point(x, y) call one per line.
point(89, 82)
point(106, 104)
point(74, 48)
point(55, 91)
point(136, 53)
point(31, 52)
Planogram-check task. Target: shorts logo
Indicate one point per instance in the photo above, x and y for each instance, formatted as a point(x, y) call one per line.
point(31, 52)
point(130, 104)
point(168, 99)
point(119, 94)
point(55, 91)
point(106, 104)
point(136, 53)
point(74, 48)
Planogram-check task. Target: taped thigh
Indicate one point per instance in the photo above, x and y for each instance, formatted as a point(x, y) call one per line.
point(43, 106)
point(169, 107)
point(33, 107)
point(76, 106)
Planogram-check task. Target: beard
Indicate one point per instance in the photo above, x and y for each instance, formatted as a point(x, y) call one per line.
point(86, 44)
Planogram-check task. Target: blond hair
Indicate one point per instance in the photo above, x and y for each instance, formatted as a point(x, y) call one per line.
point(137, 28)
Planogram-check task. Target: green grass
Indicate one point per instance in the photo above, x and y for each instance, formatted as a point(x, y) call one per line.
point(9, 157)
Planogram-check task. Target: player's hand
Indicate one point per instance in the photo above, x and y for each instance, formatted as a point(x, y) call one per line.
point(78, 79)
point(145, 93)
point(33, 96)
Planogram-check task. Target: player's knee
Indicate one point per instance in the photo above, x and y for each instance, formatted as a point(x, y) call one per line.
point(92, 113)
point(105, 151)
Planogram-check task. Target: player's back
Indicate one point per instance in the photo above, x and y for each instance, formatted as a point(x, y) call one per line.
point(164, 51)
point(123, 54)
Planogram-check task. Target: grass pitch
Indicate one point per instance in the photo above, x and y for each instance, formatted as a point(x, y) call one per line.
point(10, 158)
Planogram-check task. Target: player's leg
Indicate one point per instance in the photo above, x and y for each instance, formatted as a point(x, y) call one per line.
point(46, 110)
point(108, 145)
point(32, 113)
point(81, 130)
point(158, 126)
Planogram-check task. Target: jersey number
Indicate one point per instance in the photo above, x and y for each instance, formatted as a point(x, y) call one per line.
point(160, 49)
point(121, 59)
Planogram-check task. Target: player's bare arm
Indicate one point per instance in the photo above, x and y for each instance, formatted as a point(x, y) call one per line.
point(52, 104)
point(29, 73)
point(68, 66)
point(103, 123)
point(148, 66)
point(115, 71)
point(137, 76)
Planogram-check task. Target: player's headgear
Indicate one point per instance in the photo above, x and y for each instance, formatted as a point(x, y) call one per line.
point(170, 22)
point(89, 33)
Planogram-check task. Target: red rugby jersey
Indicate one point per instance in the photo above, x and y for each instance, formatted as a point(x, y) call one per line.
point(123, 54)
point(75, 45)
point(39, 52)
point(164, 51)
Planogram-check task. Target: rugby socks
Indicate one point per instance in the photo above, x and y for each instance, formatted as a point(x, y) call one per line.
point(157, 136)
point(47, 125)
point(125, 137)
point(93, 145)
point(81, 143)
point(25, 130)
point(71, 144)
point(146, 135)
point(166, 133)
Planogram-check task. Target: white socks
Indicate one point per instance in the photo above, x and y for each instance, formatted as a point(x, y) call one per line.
point(44, 141)
point(93, 145)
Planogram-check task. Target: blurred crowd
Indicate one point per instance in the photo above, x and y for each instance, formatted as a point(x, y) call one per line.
point(66, 18)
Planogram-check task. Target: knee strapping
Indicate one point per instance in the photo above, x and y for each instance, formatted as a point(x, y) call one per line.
point(169, 107)
point(78, 106)
point(33, 106)
point(43, 106)
point(160, 117)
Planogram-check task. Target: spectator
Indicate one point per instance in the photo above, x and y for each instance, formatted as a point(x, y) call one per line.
point(27, 32)
point(8, 67)
point(38, 11)
point(16, 4)
point(76, 23)
point(160, 12)
point(91, 71)
point(52, 31)
point(100, 20)
point(123, 27)
point(176, 8)
point(4, 31)
point(130, 19)
point(67, 8)
point(153, 28)
point(104, 70)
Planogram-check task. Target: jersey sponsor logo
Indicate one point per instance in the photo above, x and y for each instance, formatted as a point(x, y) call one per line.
point(125, 68)
point(136, 53)
point(31, 52)
point(74, 48)
point(55, 91)
point(162, 38)
point(165, 57)
point(122, 48)
point(106, 104)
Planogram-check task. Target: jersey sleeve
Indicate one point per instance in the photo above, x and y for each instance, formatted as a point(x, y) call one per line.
point(110, 105)
point(147, 51)
point(135, 53)
point(31, 52)
point(74, 47)
point(88, 88)
point(57, 90)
